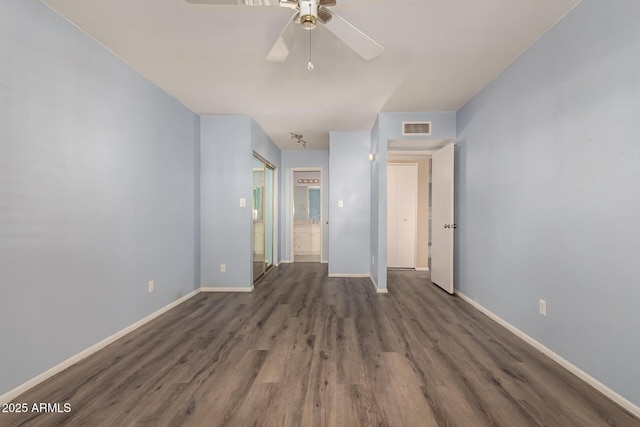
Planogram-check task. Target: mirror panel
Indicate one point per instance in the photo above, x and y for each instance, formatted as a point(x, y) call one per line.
point(258, 218)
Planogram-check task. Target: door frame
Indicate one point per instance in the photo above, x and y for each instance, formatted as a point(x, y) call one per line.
point(291, 208)
point(266, 267)
point(405, 154)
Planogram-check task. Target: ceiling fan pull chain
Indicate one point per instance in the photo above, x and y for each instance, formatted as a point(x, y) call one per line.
point(310, 64)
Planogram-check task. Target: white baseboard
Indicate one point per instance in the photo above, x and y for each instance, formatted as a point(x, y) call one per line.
point(620, 400)
point(11, 394)
point(349, 275)
point(370, 277)
point(227, 289)
point(324, 261)
point(375, 285)
point(422, 268)
point(286, 261)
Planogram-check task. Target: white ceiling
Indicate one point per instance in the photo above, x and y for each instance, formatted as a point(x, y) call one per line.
point(438, 55)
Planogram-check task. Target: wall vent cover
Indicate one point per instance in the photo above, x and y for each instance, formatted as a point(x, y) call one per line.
point(416, 128)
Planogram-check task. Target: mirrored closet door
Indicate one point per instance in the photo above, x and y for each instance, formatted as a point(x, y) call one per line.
point(263, 180)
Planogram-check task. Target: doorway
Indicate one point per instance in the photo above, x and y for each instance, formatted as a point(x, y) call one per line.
point(439, 217)
point(262, 212)
point(306, 214)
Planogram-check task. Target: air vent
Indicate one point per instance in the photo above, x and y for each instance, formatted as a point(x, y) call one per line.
point(416, 128)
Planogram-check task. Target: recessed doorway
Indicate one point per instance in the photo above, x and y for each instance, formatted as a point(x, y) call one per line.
point(306, 211)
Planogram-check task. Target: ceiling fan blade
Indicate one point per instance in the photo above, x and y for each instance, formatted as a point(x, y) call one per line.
point(289, 3)
point(362, 44)
point(284, 43)
point(239, 2)
point(324, 15)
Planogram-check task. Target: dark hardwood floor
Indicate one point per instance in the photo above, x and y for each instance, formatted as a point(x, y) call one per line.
point(306, 350)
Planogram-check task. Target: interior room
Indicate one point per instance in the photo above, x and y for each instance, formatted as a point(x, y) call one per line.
point(316, 212)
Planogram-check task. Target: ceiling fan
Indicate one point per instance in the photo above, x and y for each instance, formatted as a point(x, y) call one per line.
point(308, 13)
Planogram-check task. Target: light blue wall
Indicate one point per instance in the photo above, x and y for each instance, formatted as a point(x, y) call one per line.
point(227, 144)
point(388, 127)
point(97, 193)
point(378, 271)
point(292, 159)
point(226, 177)
point(548, 192)
point(443, 124)
point(350, 181)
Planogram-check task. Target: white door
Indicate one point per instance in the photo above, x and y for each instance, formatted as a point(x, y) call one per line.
point(442, 218)
point(402, 204)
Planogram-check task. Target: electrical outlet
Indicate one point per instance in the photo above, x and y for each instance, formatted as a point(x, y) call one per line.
point(543, 308)
point(223, 268)
point(243, 202)
point(340, 203)
point(152, 286)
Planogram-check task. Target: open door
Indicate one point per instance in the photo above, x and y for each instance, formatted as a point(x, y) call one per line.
point(442, 218)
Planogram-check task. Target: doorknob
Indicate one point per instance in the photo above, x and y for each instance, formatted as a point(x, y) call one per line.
point(447, 226)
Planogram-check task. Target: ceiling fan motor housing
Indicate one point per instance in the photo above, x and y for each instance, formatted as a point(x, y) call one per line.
point(308, 14)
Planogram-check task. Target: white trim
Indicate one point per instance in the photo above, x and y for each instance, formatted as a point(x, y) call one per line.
point(11, 394)
point(617, 398)
point(375, 285)
point(227, 289)
point(286, 261)
point(267, 165)
point(410, 155)
point(350, 275)
point(370, 277)
point(422, 268)
point(324, 261)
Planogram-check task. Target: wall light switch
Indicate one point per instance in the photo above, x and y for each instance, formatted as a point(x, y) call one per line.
point(243, 202)
point(340, 203)
point(152, 286)
point(223, 268)
point(543, 308)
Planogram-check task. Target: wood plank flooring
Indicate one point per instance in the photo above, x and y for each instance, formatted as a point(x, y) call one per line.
point(306, 350)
